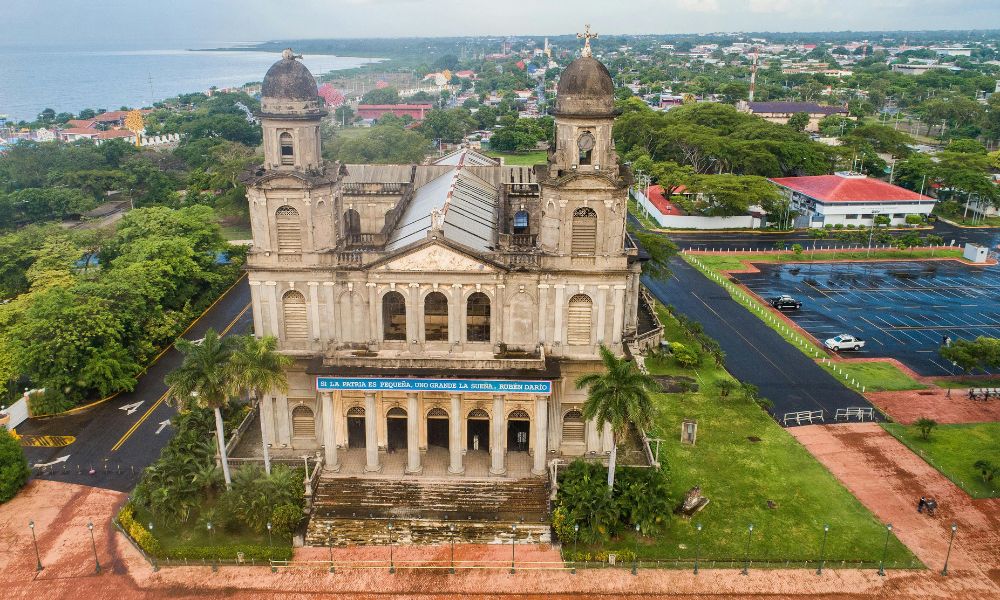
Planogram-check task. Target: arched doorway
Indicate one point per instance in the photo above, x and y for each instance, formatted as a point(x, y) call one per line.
point(437, 428)
point(356, 427)
point(395, 429)
point(518, 428)
point(478, 437)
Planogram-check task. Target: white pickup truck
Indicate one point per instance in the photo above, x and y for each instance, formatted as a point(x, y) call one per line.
point(844, 341)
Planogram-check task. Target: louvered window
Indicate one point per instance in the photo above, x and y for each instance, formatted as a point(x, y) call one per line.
point(584, 231)
point(289, 229)
point(578, 321)
point(294, 311)
point(287, 150)
point(303, 422)
point(572, 428)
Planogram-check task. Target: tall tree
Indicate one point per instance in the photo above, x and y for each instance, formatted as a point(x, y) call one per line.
point(620, 396)
point(256, 369)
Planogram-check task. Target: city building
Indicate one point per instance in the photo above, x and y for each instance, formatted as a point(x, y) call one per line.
point(377, 111)
point(780, 112)
point(850, 199)
point(439, 314)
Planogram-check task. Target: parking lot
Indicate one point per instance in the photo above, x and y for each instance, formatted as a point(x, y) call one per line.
point(903, 310)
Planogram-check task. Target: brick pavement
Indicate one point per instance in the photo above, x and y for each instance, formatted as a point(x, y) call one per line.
point(907, 406)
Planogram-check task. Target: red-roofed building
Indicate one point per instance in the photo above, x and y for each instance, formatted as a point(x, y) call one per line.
point(660, 201)
point(375, 111)
point(73, 134)
point(81, 123)
point(850, 199)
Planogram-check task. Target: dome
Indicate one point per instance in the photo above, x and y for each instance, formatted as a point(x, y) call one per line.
point(585, 88)
point(288, 79)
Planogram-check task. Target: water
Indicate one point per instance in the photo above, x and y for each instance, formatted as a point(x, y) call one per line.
point(68, 79)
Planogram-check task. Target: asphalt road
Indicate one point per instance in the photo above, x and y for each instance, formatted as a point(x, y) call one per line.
point(755, 353)
point(116, 440)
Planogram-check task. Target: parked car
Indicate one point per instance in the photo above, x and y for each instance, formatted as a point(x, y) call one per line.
point(785, 302)
point(844, 341)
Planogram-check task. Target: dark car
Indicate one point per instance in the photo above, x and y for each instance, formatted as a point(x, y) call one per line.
point(785, 303)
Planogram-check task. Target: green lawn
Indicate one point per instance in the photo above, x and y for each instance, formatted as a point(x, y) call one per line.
point(527, 159)
point(953, 449)
point(874, 377)
point(639, 213)
point(739, 476)
point(236, 232)
point(968, 382)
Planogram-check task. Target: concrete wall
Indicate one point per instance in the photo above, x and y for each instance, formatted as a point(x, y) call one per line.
point(694, 222)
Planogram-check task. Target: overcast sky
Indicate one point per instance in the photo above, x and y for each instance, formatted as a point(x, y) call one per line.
point(98, 21)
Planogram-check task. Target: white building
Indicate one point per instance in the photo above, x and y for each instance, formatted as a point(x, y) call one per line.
point(850, 199)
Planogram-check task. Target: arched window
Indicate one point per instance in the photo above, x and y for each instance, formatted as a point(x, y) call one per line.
point(356, 411)
point(293, 306)
point(289, 229)
point(578, 321)
point(572, 427)
point(436, 317)
point(584, 231)
point(287, 152)
point(303, 422)
point(394, 317)
point(521, 222)
point(477, 318)
point(352, 222)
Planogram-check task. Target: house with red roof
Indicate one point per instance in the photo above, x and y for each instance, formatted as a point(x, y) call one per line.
point(376, 111)
point(846, 198)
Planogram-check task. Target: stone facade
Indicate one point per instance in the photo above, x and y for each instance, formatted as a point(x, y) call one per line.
point(462, 269)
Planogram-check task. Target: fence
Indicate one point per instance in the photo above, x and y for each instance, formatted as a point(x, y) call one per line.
point(694, 222)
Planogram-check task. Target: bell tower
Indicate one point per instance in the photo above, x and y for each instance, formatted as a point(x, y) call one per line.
point(290, 114)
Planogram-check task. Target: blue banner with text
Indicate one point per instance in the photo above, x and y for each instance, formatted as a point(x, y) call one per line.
point(489, 386)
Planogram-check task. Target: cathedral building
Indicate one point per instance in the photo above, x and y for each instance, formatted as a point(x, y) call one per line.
point(439, 314)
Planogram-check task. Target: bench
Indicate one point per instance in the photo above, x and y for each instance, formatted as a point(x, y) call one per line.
point(861, 412)
point(803, 416)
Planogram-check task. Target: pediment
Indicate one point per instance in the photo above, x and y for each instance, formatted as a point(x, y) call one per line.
point(436, 257)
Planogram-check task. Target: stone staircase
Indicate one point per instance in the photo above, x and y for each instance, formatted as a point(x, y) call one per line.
point(358, 510)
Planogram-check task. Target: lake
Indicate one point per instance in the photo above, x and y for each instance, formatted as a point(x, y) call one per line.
point(69, 79)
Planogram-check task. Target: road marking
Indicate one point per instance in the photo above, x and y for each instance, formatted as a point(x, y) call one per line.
point(49, 464)
point(163, 424)
point(145, 416)
point(46, 441)
point(131, 408)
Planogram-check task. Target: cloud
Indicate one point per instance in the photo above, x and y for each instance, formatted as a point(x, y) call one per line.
point(705, 6)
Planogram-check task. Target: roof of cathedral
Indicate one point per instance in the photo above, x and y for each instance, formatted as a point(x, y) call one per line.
point(288, 79)
point(468, 157)
point(585, 88)
point(459, 203)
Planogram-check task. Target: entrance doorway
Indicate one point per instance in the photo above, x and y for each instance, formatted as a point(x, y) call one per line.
point(396, 429)
point(478, 437)
point(356, 427)
point(437, 428)
point(518, 427)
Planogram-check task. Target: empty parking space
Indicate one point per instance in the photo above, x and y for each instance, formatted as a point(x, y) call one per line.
point(904, 310)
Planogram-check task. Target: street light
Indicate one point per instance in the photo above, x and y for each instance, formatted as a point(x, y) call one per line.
point(156, 567)
point(885, 550)
point(871, 231)
point(822, 550)
point(269, 539)
point(392, 564)
point(451, 528)
point(944, 571)
point(97, 563)
point(513, 532)
point(697, 546)
point(635, 558)
point(38, 557)
point(746, 563)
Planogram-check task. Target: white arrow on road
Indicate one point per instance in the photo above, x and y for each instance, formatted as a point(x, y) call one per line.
point(163, 424)
point(130, 408)
point(55, 462)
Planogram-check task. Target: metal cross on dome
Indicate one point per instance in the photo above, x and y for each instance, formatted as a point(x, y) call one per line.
point(586, 36)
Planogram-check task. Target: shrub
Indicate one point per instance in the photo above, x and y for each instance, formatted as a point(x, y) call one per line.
point(142, 536)
point(987, 469)
point(229, 552)
point(925, 426)
point(285, 518)
point(14, 470)
point(622, 556)
point(797, 249)
point(725, 387)
point(48, 403)
point(914, 220)
point(255, 495)
point(685, 356)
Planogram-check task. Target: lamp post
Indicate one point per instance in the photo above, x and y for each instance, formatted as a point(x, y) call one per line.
point(697, 546)
point(97, 563)
point(392, 563)
point(513, 532)
point(269, 545)
point(871, 232)
point(34, 540)
point(746, 563)
point(944, 571)
point(885, 550)
point(635, 559)
point(329, 543)
point(156, 567)
point(822, 550)
point(451, 528)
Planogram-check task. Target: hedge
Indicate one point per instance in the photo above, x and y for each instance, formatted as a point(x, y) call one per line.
point(229, 552)
point(139, 534)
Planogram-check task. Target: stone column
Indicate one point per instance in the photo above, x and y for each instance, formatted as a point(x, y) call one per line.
point(456, 329)
point(497, 446)
point(455, 436)
point(272, 304)
point(267, 419)
point(372, 464)
point(559, 309)
point(541, 434)
point(501, 291)
point(414, 318)
point(374, 312)
point(330, 433)
point(258, 317)
point(543, 315)
point(314, 307)
point(602, 312)
point(284, 433)
point(618, 323)
point(332, 323)
point(413, 434)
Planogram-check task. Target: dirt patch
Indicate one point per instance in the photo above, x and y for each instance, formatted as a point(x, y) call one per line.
point(948, 408)
point(675, 384)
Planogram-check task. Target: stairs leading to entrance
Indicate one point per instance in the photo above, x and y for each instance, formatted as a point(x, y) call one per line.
point(358, 511)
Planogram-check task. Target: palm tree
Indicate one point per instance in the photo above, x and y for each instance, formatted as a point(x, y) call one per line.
point(204, 378)
point(619, 396)
point(256, 369)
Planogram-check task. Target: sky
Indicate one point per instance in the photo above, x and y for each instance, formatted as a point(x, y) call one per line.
point(205, 21)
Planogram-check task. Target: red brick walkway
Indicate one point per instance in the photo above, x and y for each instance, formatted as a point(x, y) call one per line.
point(910, 405)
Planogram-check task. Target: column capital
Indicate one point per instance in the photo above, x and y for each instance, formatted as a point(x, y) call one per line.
point(543, 286)
point(621, 287)
point(312, 283)
point(371, 284)
point(559, 286)
point(604, 287)
point(254, 283)
point(329, 283)
point(270, 283)
point(414, 285)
